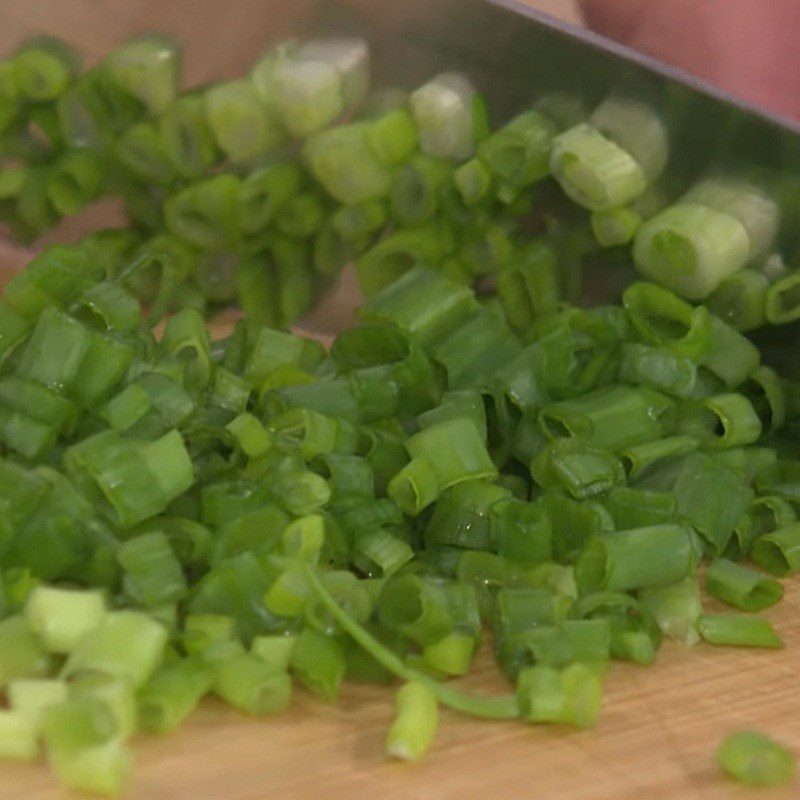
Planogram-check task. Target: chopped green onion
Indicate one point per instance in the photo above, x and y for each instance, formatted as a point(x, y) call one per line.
point(147, 67)
point(127, 644)
point(318, 661)
point(21, 653)
point(172, 693)
point(414, 726)
point(342, 160)
point(779, 552)
point(737, 630)
point(742, 587)
point(31, 697)
point(570, 696)
point(594, 171)
point(753, 759)
point(250, 686)
point(691, 249)
point(782, 302)
point(444, 109)
point(615, 227)
point(741, 300)
point(19, 739)
point(244, 127)
point(636, 559)
point(676, 608)
point(62, 617)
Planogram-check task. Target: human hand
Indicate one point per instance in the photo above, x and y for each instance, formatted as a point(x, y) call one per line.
point(747, 47)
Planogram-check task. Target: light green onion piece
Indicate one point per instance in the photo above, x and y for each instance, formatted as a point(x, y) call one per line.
point(444, 111)
point(128, 644)
point(31, 697)
point(691, 249)
point(115, 694)
point(350, 58)
point(676, 608)
point(172, 693)
point(570, 696)
point(250, 686)
point(254, 439)
point(746, 202)
point(19, 736)
point(411, 734)
point(307, 94)
point(62, 617)
point(594, 171)
point(451, 655)
point(148, 67)
point(244, 126)
point(343, 162)
point(638, 129)
point(274, 651)
point(21, 653)
point(101, 769)
point(615, 227)
point(753, 759)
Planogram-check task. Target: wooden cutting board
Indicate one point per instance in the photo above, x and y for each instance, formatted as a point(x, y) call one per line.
point(656, 739)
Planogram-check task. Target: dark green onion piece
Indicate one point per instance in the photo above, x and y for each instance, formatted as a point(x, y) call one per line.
point(518, 155)
point(742, 587)
point(644, 557)
point(43, 68)
point(711, 498)
point(779, 552)
point(611, 418)
point(401, 252)
point(318, 661)
point(528, 284)
point(152, 574)
point(205, 213)
point(187, 138)
point(415, 192)
point(783, 300)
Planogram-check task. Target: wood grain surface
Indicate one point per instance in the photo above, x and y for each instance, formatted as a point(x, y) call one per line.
point(659, 728)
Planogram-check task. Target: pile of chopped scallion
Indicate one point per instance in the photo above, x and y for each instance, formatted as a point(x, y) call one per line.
point(182, 516)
